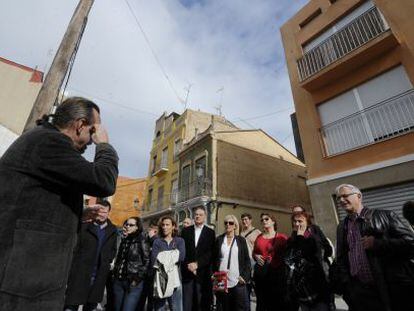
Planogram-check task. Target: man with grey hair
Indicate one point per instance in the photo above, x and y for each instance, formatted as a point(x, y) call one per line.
point(43, 178)
point(374, 253)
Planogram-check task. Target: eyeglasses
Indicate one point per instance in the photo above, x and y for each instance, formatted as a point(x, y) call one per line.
point(231, 223)
point(264, 219)
point(344, 196)
point(130, 225)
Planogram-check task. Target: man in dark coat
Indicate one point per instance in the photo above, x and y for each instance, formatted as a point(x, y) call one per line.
point(374, 256)
point(197, 267)
point(43, 178)
point(91, 262)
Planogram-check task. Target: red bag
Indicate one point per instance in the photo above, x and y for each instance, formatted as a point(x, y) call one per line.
point(220, 281)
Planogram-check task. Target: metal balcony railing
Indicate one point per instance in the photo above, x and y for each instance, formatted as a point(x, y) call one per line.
point(384, 120)
point(362, 29)
point(194, 189)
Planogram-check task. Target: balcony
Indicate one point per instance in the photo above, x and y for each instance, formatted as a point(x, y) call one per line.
point(360, 31)
point(194, 189)
point(160, 170)
point(384, 120)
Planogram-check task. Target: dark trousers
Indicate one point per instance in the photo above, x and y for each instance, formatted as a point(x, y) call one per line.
point(197, 296)
point(87, 307)
point(147, 296)
point(364, 297)
point(271, 291)
point(402, 297)
point(234, 300)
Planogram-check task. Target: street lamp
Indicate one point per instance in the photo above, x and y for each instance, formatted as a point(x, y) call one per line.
point(136, 202)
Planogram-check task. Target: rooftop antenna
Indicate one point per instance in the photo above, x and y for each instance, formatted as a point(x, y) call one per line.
point(188, 89)
point(219, 107)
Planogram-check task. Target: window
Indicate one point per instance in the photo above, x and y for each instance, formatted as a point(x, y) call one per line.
point(160, 202)
point(177, 147)
point(185, 182)
point(377, 109)
point(174, 191)
point(200, 168)
point(200, 175)
point(149, 202)
point(338, 25)
point(154, 164)
point(164, 158)
point(310, 18)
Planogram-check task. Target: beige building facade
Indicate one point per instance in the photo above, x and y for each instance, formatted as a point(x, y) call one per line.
point(19, 86)
point(351, 67)
point(236, 172)
point(172, 131)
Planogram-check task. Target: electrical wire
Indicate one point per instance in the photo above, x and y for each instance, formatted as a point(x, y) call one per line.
point(115, 103)
point(72, 59)
point(157, 60)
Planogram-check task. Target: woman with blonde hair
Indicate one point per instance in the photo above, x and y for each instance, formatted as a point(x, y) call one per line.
point(231, 256)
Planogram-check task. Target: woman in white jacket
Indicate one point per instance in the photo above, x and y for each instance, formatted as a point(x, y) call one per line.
point(167, 253)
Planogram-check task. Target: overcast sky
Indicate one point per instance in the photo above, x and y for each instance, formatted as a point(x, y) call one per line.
point(228, 45)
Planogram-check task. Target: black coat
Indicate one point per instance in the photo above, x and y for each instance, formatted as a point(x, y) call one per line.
point(42, 182)
point(202, 254)
point(135, 249)
point(79, 291)
point(389, 259)
point(243, 256)
point(307, 278)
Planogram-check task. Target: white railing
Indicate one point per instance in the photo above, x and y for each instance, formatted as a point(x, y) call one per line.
point(362, 29)
point(194, 189)
point(386, 119)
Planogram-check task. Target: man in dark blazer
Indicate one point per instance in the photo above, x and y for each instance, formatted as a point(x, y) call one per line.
point(197, 267)
point(43, 178)
point(91, 262)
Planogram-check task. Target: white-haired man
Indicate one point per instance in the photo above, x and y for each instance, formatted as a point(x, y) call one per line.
point(373, 252)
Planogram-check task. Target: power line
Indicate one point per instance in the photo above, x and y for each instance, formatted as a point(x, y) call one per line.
point(180, 100)
point(115, 103)
point(264, 115)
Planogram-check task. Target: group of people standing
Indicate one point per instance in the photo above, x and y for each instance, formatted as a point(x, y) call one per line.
point(50, 261)
point(160, 266)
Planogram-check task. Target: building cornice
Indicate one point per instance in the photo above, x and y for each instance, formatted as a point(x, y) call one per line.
point(362, 169)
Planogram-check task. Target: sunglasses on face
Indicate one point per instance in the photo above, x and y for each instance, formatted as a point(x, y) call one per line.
point(264, 219)
point(129, 225)
point(231, 223)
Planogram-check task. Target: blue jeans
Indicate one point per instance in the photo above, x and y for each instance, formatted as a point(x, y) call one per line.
point(175, 302)
point(126, 297)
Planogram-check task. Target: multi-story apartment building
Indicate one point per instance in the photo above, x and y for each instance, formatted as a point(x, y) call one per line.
point(237, 171)
point(171, 133)
point(351, 67)
point(19, 86)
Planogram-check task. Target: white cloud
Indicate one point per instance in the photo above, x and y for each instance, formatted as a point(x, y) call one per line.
point(233, 44)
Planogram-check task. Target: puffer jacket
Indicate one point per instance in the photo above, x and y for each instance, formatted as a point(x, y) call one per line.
point(391, 258)
point(132, 260)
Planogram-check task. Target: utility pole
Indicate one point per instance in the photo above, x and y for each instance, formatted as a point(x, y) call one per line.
point(49, 91)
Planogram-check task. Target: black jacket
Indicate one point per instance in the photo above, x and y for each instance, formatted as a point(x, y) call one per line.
point(243, 256)
point(136, 252)
point(390, 257)
point(306, 281)
point(202, 254)
point(42, 182)
point(78, 291)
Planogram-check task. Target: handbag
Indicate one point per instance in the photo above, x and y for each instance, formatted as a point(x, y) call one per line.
point(220, 278)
